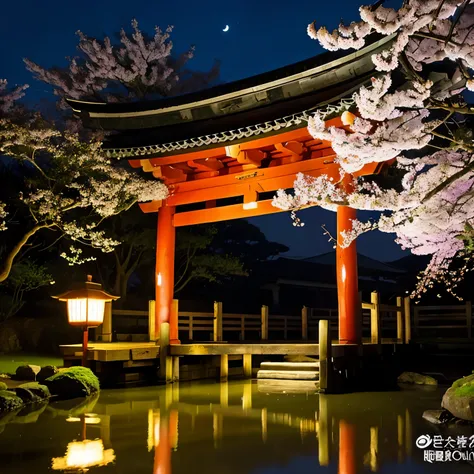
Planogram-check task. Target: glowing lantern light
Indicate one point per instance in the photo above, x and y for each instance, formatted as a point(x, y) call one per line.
point(85, 308)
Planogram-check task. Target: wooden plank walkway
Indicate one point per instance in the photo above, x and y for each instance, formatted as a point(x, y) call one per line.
point(113, 351)
point(136, 351)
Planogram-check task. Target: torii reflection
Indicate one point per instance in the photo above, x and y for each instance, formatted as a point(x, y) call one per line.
point(351, 440)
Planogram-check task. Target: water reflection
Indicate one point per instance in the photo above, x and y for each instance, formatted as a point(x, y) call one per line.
point(330, 433)
point(236, 427)
point(87, 453)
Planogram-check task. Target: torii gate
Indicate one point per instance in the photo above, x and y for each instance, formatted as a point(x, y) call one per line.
point(236, 171)
point(243, 141)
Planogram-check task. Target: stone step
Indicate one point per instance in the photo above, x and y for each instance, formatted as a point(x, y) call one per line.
point(288, 374)
point(287, 386)
point(300, 366)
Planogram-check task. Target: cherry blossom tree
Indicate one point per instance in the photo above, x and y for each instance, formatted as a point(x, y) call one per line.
point(413, 112)
point(70, 187)
point(140, 66)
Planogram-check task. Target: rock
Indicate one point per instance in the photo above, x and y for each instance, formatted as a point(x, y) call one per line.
point(418, 379)
point(3, 386)
point(459, 398)
point(9, 401)
point(27, 372)
point(9, 340)
point(437, 417)
point(41, 391)
point(73, 383)
point(46, 372)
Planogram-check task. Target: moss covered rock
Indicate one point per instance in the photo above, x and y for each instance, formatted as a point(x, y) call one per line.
point(9, 401)
point(3, 386)
point(459, 398)
point(46, 372)
point(41, 391)
point(73, 383)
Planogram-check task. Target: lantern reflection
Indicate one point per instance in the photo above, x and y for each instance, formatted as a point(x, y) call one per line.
point(83, 455)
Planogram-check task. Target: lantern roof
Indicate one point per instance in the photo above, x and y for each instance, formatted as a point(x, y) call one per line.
point(89, 290)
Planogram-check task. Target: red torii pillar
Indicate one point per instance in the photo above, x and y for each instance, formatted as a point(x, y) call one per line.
point(347, 276)
point(164, 278)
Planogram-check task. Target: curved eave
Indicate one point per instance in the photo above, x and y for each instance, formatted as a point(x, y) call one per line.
point(228, 137)
point(231, 98)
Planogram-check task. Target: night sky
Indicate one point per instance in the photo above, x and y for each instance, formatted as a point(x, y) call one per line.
point(263, 35)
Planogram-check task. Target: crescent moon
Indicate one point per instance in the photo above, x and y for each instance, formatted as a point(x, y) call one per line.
point(226, 28)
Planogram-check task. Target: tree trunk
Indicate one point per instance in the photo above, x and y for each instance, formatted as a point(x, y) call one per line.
point(8, 263)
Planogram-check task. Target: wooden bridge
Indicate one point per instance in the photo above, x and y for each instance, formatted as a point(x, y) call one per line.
point(313, 332)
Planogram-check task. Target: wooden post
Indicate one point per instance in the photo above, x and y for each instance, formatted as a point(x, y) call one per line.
point(264, 322)
point(165, 248)
point(151, 321)
point(324, 356)
point(285, 328)
point(375, 318)
point(191, 327)
point(247, 361)
point(224, 367)
point(406, 302)
point(174, 329)
point(166, 363)
point(242, 327)
point(217, 321)
point(107, 324)
point(469, 319)
point(400, 319)
point(304, 323)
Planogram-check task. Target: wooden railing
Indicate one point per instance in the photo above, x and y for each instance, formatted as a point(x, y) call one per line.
point(214, 325)
point(378, 320)
point(454, 321)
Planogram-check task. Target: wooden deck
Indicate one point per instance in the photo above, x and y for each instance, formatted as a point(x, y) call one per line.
point(136, 351)
point(113, 351)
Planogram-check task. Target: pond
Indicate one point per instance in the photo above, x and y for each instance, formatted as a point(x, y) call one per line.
point(237, 427)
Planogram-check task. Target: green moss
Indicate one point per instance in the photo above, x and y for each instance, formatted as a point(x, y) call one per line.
point(464, 387)
point(73, 382)
point(9, 401)
point(3, 386)
point(41, 391)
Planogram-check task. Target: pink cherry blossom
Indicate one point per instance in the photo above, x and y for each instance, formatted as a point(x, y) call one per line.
point(433, 204)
